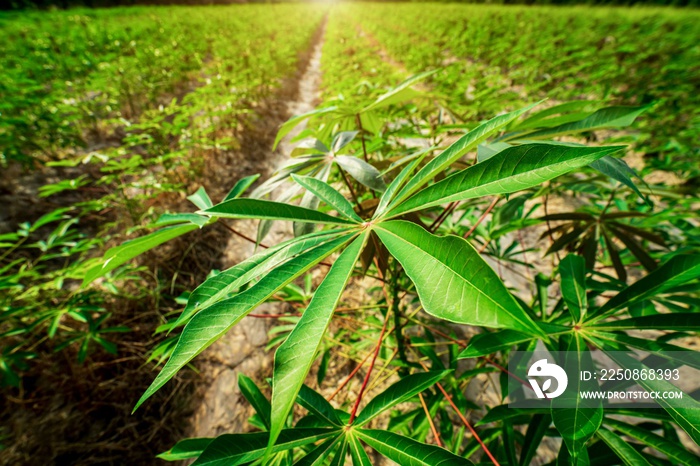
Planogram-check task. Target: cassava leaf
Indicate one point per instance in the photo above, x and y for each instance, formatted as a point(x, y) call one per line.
point(361, 171)
point(294, 357)
point(453, 281)
point(218, 286)
point(511, 170)
point(209, 325)
point(573, 285)
point(673, 450)
point(400, 392)
point(623, 450)
point(236, 449)
point(453, 153)
point(676, 271)
point(255, 397)
point(261, 209)
point(408, 452)
point(240, 187)
point(123, 253)
point(329, 195)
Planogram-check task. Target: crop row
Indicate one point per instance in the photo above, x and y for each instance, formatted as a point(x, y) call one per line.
point(495, 57)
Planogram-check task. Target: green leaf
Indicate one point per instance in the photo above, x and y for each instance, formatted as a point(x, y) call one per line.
point(453, 281)
point(200, 199)
point(236, 449)
point(361, 171)
point(673, 450)
point(400, 93)
point(408, 452)
point(317, 457)
point(488, 343)
point(240, 187)
point(210, 324)
point(294, 357)
point(533, 437)
point(219, 286)
point(400, 392)
point(396, 184)
point(123, 253)
point(609, 117)
point(255, 397)
point(676, 271)
point(618, 170)
point(186, 449)
point(573, 285)
point(260, 209)
point(684, 411)
point(358, 453)
point(622, 449)
point(328, 195)
point(675, 321)
point(623, 342)
point(577, 419)
point(296, 120)
point(513, 169)
point(453, 153)
point(315, 403)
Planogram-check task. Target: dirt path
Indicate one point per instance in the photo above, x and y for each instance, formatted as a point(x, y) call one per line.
point(221, 407)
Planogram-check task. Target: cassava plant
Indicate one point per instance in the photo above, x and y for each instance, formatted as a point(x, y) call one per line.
point(374, 221)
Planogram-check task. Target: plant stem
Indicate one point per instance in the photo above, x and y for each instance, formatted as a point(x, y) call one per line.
point(483, 216)
point(430, 421)
point(347, 183)
point(369, 372)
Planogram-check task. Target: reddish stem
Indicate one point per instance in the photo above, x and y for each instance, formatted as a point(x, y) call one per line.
point(369, 372)
point(483, 216)
point(430, 421)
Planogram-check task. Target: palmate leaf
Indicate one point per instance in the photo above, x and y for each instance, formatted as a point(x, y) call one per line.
point(400, 392)
point(260, 209)
point(408, 452)
point(236, 449)
point(573, 285)
point(673, 450)
point(329, 195)
point(453, 153)
point(676, 271)
point(453, 281)
point(294, 357)
point(219, 286)
point(623, 450)
point(577, 419)
point(209, 325)
point(514, 169)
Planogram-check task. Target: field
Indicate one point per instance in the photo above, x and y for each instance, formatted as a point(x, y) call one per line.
point(323, 233)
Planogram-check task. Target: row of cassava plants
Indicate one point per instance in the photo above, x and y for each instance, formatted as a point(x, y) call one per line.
point(493, 55)
point(73, 79)
point(122, 187)
point(357, 218)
